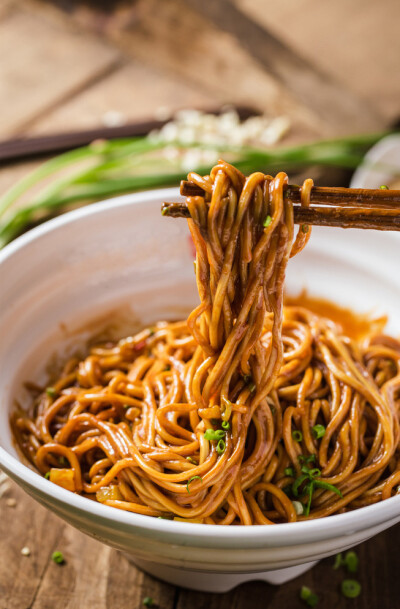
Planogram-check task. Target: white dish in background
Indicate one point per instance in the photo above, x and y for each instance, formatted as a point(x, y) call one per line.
point(123, 255)
point(379, 164)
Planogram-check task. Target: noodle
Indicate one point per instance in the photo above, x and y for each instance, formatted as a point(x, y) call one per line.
point(249, 412)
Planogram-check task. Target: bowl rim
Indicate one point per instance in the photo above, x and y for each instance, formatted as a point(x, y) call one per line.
point(304, 532)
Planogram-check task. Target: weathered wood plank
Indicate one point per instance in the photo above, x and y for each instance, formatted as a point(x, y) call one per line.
point(176, 40)
point(312, 86)
point(132, 93)
point(41, 64)
point(356, 42)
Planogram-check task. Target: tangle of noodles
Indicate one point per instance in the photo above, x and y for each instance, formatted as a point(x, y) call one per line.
point(249, 412)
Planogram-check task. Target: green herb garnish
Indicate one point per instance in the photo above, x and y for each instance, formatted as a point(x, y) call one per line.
point(191, 460)
point(318, 431)
point(267, 221)
point(351, 588)
point(47, 475)
point(305, 228)
point(51, 392)
point(297, 435)
point(350, 561)
point(58, 557)
point(148, 601)
point(384, 187)
point(214, 434)
point(221, 447)
point(225, 425)
point(309, 477)
point(308, 596)
point(289, 471)
point(191, 480)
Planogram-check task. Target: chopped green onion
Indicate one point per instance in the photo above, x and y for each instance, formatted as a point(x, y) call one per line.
point(58, 557)
point(252, 387)
point(318, 431)
point(297, 435)
point(148, 601)
point(191, 460)
point(225, 425)
point(289, 471)
point(339, 561)
point(191, 480)
point(214, 435)
point(351, 562)
point(328, 487)
point(351, 588)
point(383, 187)
point(314, 473)
point(305, 228)
point(309, 597)
point(47, 475)
point(221, 447)
point(51, 392)
point(297, 483)
point(298, 507)
point(306, 458)
point(267, 221)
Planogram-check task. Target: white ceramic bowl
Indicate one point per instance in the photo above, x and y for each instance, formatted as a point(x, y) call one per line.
point(121, 255)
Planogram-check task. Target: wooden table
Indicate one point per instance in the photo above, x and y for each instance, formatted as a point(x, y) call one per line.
point(331, 67)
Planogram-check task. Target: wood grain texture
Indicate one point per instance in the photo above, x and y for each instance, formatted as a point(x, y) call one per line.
point(97, 577)
point(355, 42)
point(42, 64)
point(307, 81)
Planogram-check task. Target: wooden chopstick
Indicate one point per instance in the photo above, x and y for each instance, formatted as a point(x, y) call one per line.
point(342, 207)
point(23, 148)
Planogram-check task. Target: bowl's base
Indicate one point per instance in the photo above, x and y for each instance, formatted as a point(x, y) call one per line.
point(216, 582)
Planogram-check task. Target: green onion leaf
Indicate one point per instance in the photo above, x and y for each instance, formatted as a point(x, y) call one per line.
point(351, 561)
point(289, 471)
point(297, 435)
point(309, 489)
point(318, 431)
point(351, 588)
point(221, 447)
point(58, 557)
point(339, 561)
point(225, 425)
point(191, 460)
point(306, 458)
point(297, 483)
point(51, 392)
point(314, 473)
point(267, 221)
point(191, 480)
point(328, 487)
point(383, 187)
point(214, 435)
point(148, 601)
point(252, 387)
point(47, 475)
point(309, 597)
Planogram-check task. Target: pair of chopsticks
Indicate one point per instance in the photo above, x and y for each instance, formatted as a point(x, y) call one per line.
point(343, 207)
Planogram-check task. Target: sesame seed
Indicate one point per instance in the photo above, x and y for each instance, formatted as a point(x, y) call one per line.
point(11, 502)
point(25, 551)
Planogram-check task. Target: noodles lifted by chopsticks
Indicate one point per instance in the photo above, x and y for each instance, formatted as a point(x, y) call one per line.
point(249, 412)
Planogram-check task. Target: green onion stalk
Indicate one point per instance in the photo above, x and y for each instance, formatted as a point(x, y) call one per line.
point(108, 168)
